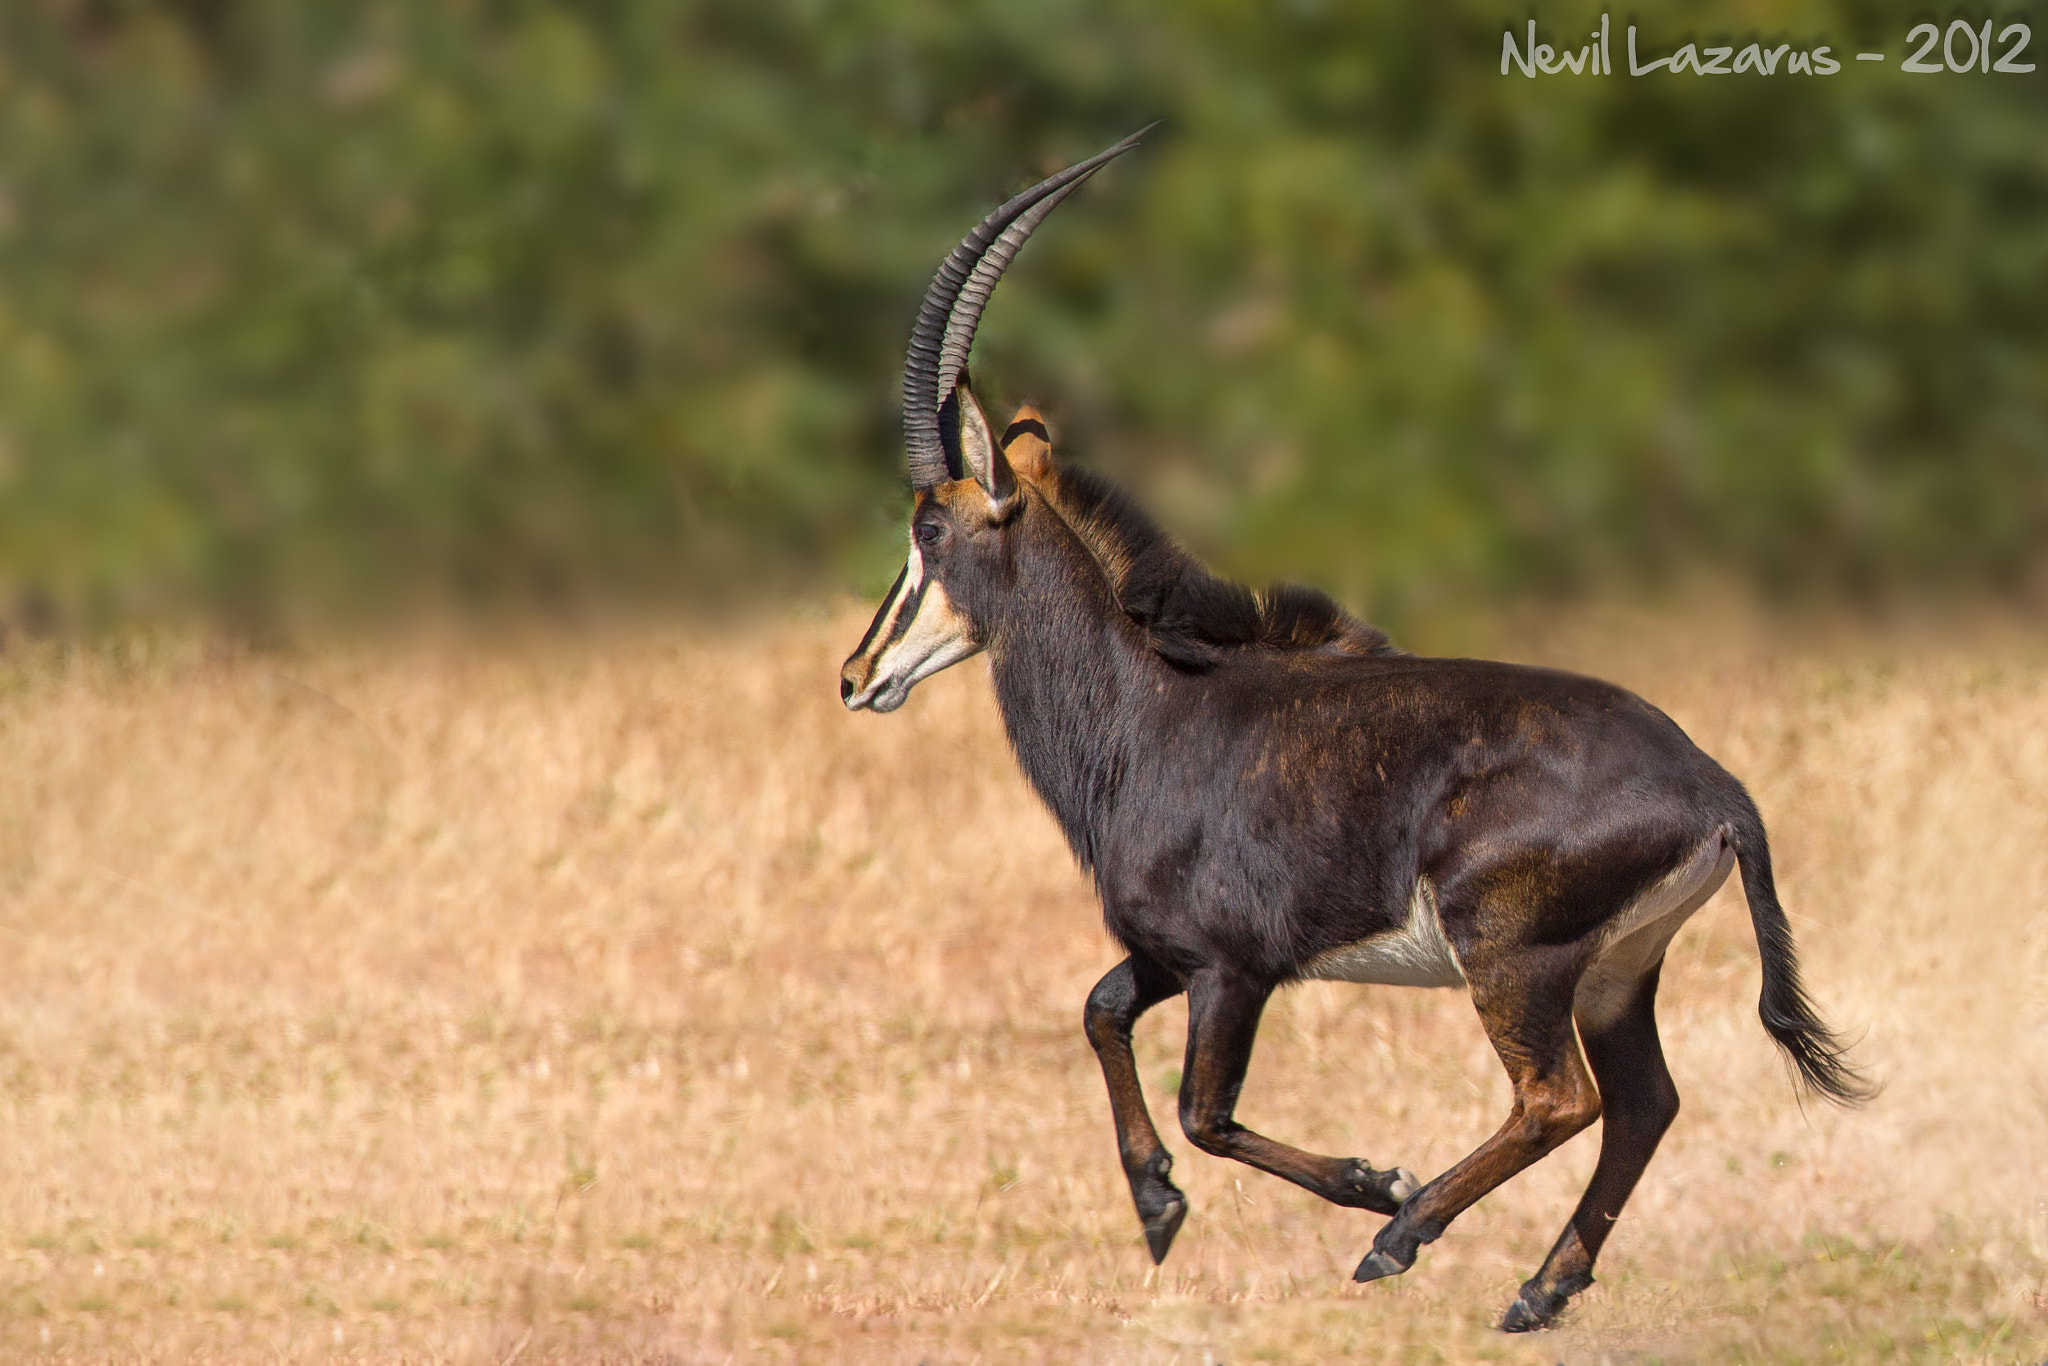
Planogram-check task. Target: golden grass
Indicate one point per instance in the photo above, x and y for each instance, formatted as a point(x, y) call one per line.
point(630, 999)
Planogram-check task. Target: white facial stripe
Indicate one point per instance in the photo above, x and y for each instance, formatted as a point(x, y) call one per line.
point(884, 627)
point(916, 634)
point(891, 623)
point(904, 606)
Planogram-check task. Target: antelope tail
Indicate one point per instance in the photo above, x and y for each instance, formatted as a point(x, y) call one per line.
point(1815, 1051)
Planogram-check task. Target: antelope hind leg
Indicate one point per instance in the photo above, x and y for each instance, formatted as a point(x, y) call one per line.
point(1638, 1101)
point(1530, 1026)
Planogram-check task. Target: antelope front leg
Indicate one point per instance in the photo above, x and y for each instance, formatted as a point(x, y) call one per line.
point(1223, 1019)
point(1127, 991)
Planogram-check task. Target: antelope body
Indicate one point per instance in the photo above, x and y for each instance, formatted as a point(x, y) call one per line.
point(1265, 790)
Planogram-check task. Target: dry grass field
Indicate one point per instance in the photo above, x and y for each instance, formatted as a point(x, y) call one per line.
point(628, 1000)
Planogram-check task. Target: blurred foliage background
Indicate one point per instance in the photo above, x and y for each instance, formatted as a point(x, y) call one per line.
point(319, 307)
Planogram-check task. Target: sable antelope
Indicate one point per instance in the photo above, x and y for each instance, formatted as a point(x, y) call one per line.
point(1265, 791)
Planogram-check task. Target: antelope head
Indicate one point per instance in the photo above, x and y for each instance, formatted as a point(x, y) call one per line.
point(966, 488)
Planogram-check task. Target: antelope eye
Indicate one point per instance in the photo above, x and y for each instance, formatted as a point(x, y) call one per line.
point(929, 533)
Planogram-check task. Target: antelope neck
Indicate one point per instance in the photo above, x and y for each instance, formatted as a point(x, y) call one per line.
point(1077, 686)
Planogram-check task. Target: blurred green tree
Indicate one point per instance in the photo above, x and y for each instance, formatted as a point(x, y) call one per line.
point(325, 304)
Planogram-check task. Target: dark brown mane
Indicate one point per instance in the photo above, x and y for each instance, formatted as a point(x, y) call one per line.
point(1193, 617)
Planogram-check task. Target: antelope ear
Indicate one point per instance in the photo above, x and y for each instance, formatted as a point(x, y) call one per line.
point(980, 456)
point(1028, 446)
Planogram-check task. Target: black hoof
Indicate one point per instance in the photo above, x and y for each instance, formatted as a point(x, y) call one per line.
point(1161, 1206)
point(1380, 1192)
point(1378, 1264)
point(1536, 1308)
point(1524, 1317)
point(1159, 1229)
point(1393, 1252)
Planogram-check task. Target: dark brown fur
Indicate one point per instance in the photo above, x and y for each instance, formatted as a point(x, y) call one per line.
point(1258, 780)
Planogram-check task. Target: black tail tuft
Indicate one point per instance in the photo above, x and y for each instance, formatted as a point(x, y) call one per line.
point(1788, 1013)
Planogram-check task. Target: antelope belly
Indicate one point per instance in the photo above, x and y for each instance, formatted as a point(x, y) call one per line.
point(1415, 955)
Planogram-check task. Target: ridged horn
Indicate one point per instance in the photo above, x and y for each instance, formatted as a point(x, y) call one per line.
point(952, 308)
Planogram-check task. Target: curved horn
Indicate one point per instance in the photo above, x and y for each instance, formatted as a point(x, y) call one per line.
point(952, 307)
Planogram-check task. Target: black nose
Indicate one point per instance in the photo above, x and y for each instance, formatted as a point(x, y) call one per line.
point(845, 688)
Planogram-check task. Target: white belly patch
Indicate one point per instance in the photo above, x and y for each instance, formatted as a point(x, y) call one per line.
point(1415, 955)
